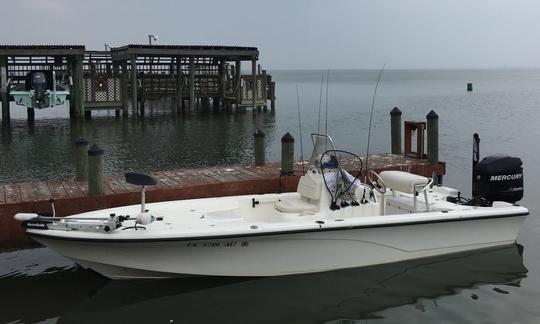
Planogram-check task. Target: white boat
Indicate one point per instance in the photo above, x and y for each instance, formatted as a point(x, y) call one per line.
point(40, 91)
point(332, 222)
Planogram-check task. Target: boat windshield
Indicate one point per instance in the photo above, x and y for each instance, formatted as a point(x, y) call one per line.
point(321, 144)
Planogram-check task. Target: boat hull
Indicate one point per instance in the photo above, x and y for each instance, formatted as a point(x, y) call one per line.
point(273, 254)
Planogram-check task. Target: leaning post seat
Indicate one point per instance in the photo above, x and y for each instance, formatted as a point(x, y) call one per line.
point(309, 188)
point(407, 183)
point(143, 180)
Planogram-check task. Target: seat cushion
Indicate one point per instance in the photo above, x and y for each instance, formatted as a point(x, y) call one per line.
point(295, 205)
point(402, 181)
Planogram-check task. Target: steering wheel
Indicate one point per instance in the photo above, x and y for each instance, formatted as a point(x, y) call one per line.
point(378, 183)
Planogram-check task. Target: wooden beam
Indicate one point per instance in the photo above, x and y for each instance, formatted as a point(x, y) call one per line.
point(134, 86)
point(191, 83)
point(4, 90)
point(77, 90)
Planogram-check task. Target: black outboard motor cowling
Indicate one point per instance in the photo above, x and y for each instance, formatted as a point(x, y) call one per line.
point(39, 84)
point(498, 178)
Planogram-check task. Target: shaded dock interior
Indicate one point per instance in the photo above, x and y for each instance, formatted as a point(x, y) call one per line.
point(124, 78)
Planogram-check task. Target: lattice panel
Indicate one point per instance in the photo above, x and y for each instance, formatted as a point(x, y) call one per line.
point(101, 88)
point(247, 89)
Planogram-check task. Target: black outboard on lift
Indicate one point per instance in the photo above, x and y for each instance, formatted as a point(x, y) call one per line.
point(496, 177)
point(39, 81)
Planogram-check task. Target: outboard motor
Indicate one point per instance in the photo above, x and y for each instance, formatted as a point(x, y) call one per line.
point(496, 177)
point(39, 85)
point(39, 81)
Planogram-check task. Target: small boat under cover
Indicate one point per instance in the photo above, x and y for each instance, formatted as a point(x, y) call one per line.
point(333, 221)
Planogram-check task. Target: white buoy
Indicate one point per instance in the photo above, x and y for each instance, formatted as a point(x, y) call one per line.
point(22, 217)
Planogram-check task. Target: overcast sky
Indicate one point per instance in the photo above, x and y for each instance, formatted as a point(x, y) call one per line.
point(298, 34)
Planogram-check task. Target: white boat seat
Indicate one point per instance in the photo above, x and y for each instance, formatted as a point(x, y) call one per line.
point(309, 188)
point(295, 205)
point(403, 181)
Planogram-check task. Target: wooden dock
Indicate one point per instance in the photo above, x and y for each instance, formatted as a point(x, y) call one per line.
point(72, 197)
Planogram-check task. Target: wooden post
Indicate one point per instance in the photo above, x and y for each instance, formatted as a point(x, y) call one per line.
point(31, 115)
point(264, 89)
point(223, 82)
point(76, 94)
point(287, 154)
point(273, 96)
point(192, 83)
point(259, 147)
point(4, 90)
point(238, 83)
point(95, 170)
point(179, 84)
point(433, 137)
point(81, 159)
point(254, 78)
point(395, 131)
point(469, 87)
point(124, 88)
point(142, 97)
point(134, 101)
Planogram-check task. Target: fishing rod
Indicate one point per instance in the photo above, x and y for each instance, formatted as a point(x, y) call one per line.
point(320, 103)
point(300, 129)
point(371, 116)
point(326, 122)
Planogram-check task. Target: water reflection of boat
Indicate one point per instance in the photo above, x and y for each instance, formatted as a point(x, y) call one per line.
point(350, 293)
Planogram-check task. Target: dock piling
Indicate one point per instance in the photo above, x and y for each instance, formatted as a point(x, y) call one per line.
point(469, 87)
point(287, 154)
point(395, 123)
point(259, 147)
point(4, 90)
point(81, 159)
point(433, 136)
point(95, 170)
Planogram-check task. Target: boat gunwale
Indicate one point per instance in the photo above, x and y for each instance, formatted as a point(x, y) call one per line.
point(36, 232)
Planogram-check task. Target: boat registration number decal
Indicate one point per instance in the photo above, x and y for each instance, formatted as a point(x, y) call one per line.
point(227, 244)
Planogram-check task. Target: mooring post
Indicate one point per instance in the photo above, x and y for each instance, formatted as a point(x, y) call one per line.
point(433, 137)
point(259, 147)
point(254, 80)
point(395, 124)
point(81, 159)
point(134, 103)
point(4, 90)
point(77, 90)
point(469, 87)
point(191, 83)
point(124, 88)
point(238, 83)
point(273, 96)
point(179, 84)
point(95, 170)
point(287, 154)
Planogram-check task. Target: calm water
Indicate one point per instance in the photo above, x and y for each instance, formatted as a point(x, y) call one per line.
point(498, 286)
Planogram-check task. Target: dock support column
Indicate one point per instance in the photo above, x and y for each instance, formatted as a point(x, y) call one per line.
point(273, 96)
point(433, 137)
point(254, 78)
point(4, 90)
point(238, 83)
point(95, 170)
point(395, 124)
point(259, 147)
point(124, 88)
point(81, 159)
point(134, 101)
point(31, 115)
point(76, 94)
point(287, 154)
point(191, 83)
point(179, 84)
point(223, 91)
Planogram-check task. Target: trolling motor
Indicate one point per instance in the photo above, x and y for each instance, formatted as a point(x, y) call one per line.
point(495, 177)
